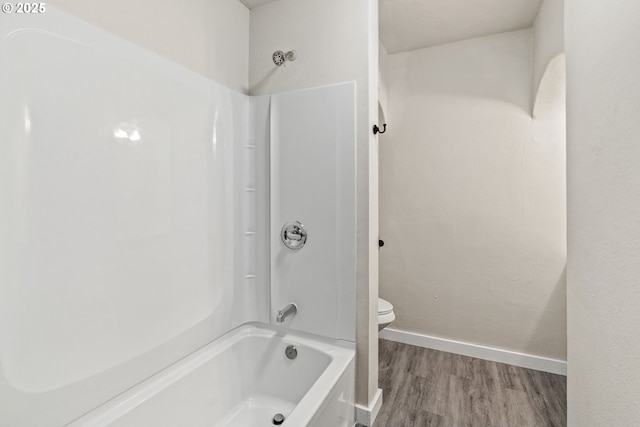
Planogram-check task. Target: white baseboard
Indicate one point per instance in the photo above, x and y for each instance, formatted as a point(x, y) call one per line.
point(366, 416)
point(530, 361)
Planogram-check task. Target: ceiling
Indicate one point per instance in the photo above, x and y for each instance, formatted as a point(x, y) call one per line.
point(414, 24)
point(255, 3)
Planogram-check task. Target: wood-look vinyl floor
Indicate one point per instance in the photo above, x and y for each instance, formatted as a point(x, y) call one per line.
point(423, 387)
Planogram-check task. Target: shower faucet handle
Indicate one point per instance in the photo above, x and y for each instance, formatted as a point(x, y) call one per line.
point(293, 235)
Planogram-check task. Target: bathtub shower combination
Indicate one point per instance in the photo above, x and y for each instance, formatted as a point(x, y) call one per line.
point(172, 252)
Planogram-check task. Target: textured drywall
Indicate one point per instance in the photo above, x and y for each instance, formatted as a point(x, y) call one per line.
point(335, 41)
point(383, 66)
point(211, 37)
point(603, 275)
point(548, 38)
point(473, 198)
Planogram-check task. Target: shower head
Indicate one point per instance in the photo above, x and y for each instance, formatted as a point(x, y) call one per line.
point(280, 57)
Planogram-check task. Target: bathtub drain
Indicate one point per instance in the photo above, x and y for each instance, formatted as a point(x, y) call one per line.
point(278, 419)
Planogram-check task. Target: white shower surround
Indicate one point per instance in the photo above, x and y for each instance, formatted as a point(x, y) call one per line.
point(312, 181)
point(145, 190)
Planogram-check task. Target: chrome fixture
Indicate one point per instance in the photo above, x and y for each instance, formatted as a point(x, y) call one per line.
point(278, 419)
point(289, 310)
point(291, 352)
point(293, 235)
point(280, 57)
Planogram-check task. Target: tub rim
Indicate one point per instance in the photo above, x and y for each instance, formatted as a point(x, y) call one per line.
point(341, 354)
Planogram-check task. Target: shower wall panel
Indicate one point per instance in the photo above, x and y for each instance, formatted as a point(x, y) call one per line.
point(121, 178)
point(252, 213)
point(313, 181)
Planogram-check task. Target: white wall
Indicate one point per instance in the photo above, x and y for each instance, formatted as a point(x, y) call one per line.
point(548, 38)
point(473, 198)
point(336, 41)
point(603, 104)
point(383, 66)
point(210, 37)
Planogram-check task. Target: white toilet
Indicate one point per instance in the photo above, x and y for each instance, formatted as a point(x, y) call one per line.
point(385, 313)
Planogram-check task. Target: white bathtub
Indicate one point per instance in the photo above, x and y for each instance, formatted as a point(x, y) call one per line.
point(242, 380)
